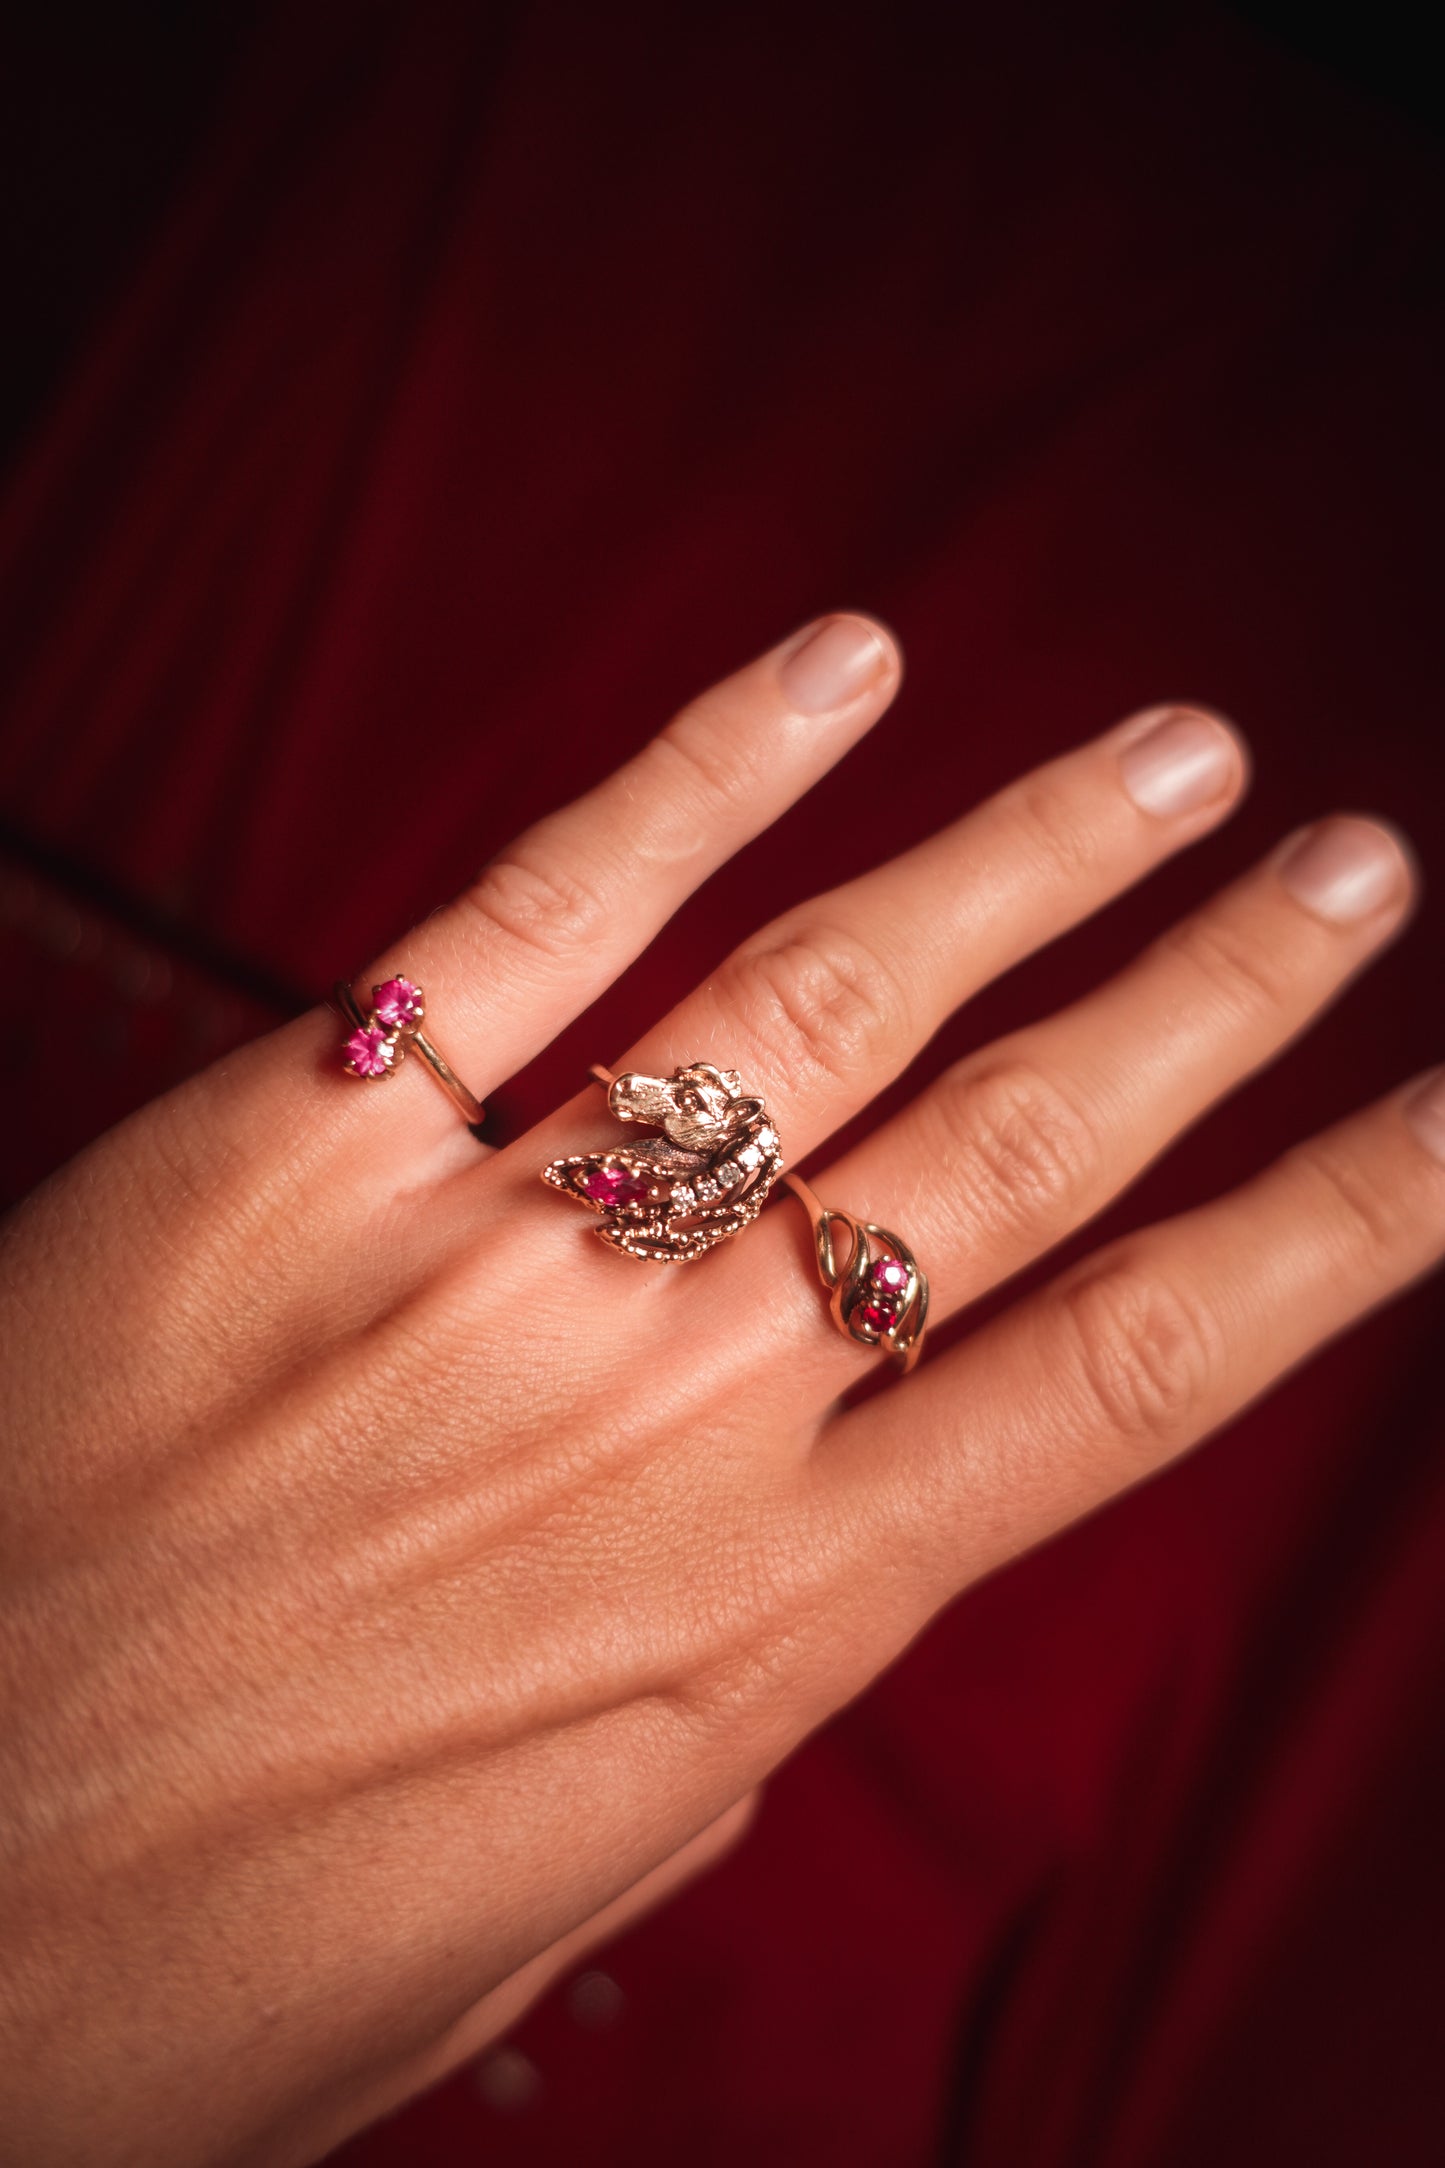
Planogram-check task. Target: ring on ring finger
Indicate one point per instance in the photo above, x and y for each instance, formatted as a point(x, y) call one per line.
point(879, 1291)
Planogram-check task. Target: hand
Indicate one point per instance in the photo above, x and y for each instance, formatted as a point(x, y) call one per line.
point(395, 1577)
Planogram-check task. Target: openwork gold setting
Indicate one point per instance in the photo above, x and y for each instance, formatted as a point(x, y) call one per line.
point(674, 1197)
point(381, 1035)
point(878, 1291)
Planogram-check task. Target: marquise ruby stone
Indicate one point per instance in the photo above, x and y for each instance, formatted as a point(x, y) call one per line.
point(613, 1186)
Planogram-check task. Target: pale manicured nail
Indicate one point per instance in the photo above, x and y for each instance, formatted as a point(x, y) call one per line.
point(1345, 870)
point(839, 660)
point(1425, 1112)
point(1185, 761)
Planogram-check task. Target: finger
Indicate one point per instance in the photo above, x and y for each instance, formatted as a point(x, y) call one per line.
point(1022, 1142)
point(222, 1167)
point(552, 920)
point(1140, 1351)
point(825, 1006)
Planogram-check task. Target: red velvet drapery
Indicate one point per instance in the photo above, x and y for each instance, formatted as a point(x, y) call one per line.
point(491, 379)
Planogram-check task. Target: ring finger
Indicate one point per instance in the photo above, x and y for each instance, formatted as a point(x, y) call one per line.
point(1024, 1141)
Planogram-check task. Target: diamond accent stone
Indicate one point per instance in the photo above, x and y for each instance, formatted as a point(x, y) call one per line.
point(654, 1205)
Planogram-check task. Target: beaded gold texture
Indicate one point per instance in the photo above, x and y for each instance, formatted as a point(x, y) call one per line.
point(673, 1197)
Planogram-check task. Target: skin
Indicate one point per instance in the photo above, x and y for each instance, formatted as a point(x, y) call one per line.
point(372, 1645)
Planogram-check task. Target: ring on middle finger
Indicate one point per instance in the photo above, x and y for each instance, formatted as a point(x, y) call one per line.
point(672, 1197)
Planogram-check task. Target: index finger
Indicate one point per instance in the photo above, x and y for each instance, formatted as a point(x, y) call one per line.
point(554, 918)
point(537, 937)
point(558, 914)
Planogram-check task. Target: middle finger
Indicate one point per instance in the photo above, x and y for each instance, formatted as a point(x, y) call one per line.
point(829, 1003)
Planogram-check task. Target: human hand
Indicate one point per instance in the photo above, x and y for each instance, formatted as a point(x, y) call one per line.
point(400, 1586)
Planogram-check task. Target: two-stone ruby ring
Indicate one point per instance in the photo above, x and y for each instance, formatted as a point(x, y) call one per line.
point(381, 1035)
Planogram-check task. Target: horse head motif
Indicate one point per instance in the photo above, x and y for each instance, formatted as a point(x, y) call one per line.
point(672, 1197)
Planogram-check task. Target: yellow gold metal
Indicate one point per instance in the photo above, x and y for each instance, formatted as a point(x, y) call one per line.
point(470, 1107)
point(874, 1313)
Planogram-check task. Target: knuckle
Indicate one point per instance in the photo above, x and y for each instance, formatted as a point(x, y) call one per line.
point(1055, 823)
point(706, 751)
point(1021, 1156)
point(782, 1619)
point(537, 904)
point(1361, 1217)
point(1146, 1356)
point(817, 1000)
point(1236, 963)
point(196, 1176)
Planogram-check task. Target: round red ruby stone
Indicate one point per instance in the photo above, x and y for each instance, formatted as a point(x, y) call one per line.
point(398, 1003)
point(876, 1317)
point(611, 1186)
point(891, 1275)
point(370, 1052)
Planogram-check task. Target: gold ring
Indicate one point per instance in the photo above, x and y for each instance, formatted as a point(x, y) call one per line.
point(381, 1035)
point(673, 1197)
point(879, 1292)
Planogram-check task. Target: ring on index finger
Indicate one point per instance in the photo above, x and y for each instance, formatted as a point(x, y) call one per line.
point(381, 1035)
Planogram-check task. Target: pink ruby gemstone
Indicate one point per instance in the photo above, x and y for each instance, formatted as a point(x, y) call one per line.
point(613, 1186)
point(397, 1003)
point(890, 1275)
point(370, 1052)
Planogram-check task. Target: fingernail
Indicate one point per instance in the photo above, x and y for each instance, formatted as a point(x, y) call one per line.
point(837, 661)
point(1187, 760)
point(1425, 1112)
point(1344, 869)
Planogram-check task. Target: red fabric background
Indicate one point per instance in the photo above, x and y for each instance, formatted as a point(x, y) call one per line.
point(488, 380)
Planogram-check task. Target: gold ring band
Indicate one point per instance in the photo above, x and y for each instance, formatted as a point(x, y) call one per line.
point(381, 1035)
point(879, 1292)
